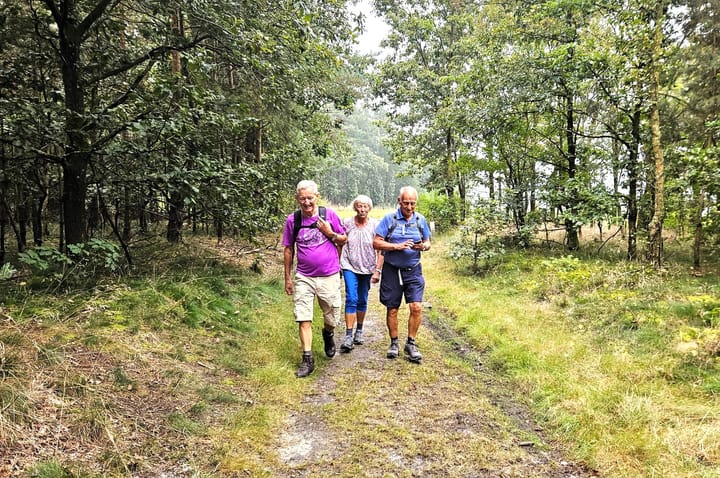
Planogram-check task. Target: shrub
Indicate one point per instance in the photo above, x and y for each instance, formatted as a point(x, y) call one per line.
point(480, 237)
point(444, 211)
point(82, 262)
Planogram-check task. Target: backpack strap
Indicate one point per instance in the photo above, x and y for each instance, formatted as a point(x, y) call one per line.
point(297, 221)
point(391, 228)
point(297, 224)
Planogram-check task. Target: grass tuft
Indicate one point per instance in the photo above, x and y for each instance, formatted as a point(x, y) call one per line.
point(90, 423)
point(50, 469)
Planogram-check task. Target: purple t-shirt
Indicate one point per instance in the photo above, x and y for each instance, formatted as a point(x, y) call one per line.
point(316, 255)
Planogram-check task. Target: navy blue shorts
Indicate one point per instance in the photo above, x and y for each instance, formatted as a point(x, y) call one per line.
point(398, 283)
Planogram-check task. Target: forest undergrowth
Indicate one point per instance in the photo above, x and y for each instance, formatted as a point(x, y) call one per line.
point(546, 364)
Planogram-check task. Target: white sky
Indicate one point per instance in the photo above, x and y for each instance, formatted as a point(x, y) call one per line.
point(375, 29)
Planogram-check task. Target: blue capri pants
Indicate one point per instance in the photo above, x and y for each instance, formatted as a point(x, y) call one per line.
point(357, 289)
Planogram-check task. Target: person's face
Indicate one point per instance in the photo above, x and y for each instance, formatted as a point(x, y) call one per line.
point(307, 200)
point(407, 204)
point(362, 209)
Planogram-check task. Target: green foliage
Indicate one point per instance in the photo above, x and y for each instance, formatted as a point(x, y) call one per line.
point(480, 238)
point(82, 264)
point(364, 168)
point(590, 203)
point(244, 109)
point(7, 271)
point(420, 86)
point(443, 210)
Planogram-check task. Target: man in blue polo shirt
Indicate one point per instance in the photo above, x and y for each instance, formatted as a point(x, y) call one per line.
point(401, 236)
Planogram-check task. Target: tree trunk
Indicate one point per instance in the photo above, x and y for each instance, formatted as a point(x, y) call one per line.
point(175, 218)
point(253, 143)
point(77, 156)
point(127, 214)
point(697, 242)
point(571, 228)
point(3, 222)
point(491, 185)
point(176, 204)
point(74, 198)
point(37, 222)
point(632, 168)
point(655, 228)
point(23, 217)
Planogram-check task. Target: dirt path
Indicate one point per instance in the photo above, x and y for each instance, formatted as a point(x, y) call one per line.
point(448, 417)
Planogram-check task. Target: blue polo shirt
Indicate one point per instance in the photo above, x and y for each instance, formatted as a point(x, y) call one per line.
point(416, 228)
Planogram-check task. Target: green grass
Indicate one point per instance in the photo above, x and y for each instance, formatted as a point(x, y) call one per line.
point(192, 344)
point(620, 361)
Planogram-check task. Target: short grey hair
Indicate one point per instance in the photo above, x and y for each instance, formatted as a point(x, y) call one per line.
point(408, 190)
point(363, 199)
point(307, 185)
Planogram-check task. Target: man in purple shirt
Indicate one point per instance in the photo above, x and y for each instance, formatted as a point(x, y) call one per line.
point(317, 273)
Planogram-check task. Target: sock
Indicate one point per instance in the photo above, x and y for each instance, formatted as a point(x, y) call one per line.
point(393, 340)
point(307, 353)
point(358, 327)
point(348, 332)
point(410, 340)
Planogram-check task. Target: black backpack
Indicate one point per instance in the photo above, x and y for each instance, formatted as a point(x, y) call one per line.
point(297, 221)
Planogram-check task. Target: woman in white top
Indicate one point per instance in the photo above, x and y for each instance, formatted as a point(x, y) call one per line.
point(361, 265)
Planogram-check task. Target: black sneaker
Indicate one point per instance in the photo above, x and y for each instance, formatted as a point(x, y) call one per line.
point(306, 366)
point(411, 350)
point(329, 342)
point(347, 344)
point(394, 350)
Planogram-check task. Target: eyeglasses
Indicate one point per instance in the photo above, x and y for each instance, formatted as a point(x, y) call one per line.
point(408, 203)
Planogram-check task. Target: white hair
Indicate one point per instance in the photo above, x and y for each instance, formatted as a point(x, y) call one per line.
point(363, 199)
point(408, 190)
point(307, 185)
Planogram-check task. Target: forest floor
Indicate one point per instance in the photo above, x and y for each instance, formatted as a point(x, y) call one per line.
point(362, 414)
point(446, 417)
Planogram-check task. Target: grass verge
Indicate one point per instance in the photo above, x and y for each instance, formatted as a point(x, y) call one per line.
point(620, 362)
point(157, 373)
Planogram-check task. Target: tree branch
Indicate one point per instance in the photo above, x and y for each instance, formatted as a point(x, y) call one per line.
point(54, 11)
point(93, 16)
point(151, 55)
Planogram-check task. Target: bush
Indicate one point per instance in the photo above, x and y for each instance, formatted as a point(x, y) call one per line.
point(82, 262)
point(444, 211)
point(480, 237)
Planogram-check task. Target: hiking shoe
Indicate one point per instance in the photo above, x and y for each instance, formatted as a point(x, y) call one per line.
point(358, 340)
point(411, 350)
point(394, 350)
point(347, 344)
point(306, 366)
point(329, 342)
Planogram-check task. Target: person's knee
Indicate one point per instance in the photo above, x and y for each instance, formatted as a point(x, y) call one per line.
point(415, 307)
